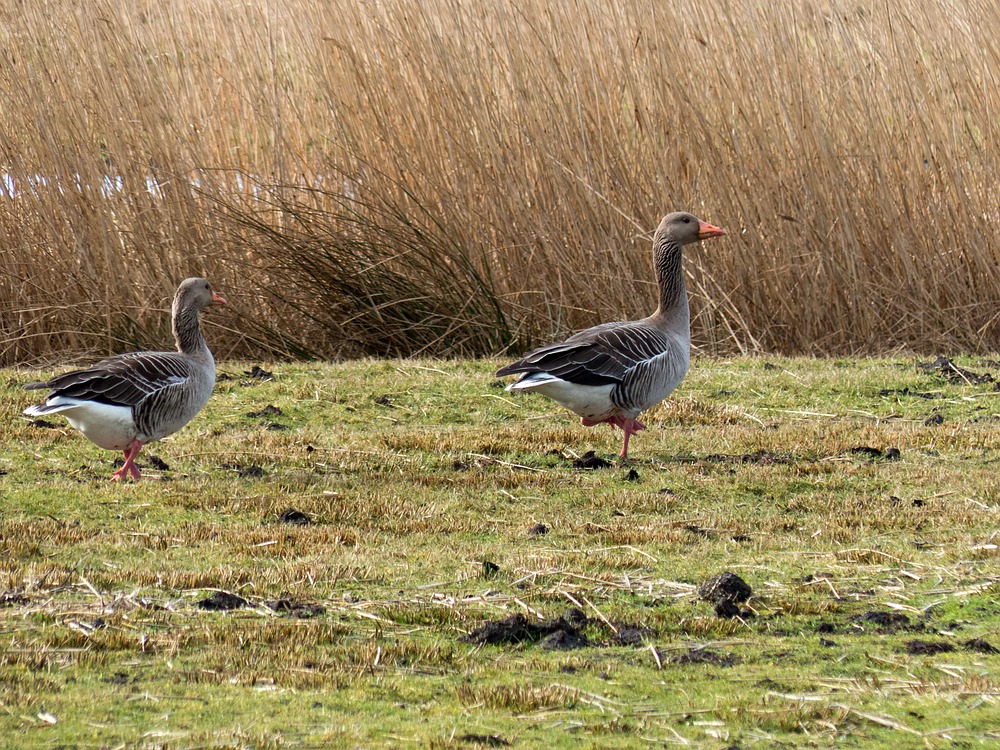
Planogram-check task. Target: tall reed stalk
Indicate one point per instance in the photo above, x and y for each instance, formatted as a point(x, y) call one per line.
point(390, 178)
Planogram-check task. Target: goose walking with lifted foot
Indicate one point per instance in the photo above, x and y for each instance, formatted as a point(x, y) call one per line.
point(124, 402)
point(612, 372)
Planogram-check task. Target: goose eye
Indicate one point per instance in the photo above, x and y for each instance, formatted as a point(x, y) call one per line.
point(686, 220)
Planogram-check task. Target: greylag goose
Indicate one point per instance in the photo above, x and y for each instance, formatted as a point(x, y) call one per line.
point(612, 372)
point(123, 402)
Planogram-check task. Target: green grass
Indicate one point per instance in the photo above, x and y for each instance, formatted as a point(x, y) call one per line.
point(415, 473)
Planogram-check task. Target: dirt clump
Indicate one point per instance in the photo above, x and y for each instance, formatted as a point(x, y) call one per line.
point(590, 460)
point(221, 601)
point(560, 633)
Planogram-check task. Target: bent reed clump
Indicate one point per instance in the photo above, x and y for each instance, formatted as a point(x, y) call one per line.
point(456, 178)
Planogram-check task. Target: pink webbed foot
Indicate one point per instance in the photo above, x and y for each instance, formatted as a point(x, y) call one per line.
point(129, 466)
point(628, 425)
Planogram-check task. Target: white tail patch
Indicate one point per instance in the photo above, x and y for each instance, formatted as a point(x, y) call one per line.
point(590, 401)
point(110, 427)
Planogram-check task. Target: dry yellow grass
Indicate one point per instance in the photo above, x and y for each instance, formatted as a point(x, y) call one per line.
point(395, 177)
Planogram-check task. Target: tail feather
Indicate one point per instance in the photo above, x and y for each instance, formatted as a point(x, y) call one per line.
point(38, 410)
point(532, 380)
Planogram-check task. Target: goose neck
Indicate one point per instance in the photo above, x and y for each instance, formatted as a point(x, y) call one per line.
point(673, 301)
point(187, 331)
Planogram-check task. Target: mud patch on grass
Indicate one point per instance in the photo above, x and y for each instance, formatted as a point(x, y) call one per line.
point(702, 656)
point(884, 622)
point(221, 601)
point(13, 599)
point(727, 586)
point(486, 740)
point(980, 646)
point(565, 639)
point(295, 608)
point(908, 392)
point(872, 454)
point(158, 463)
point(632, 635)
point(268, 411)
point(728, 591)
point(259, 373)
point(519, 629)
point(928, 648)
point(953, 373)
point(590, 460)
point(294, 517)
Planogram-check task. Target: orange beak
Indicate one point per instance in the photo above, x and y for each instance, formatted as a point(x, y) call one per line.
point(218, 299)
point(706, 230)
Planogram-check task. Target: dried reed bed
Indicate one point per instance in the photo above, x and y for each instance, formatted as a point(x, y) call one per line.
point(394, 178)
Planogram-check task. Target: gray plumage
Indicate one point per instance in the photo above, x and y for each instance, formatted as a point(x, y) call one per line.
point(612, 372)
point(128, 400)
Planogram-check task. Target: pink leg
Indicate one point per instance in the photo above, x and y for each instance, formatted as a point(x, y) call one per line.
point(629, 426)
point(129, 468)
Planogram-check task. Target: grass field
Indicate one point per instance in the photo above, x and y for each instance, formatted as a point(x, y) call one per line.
point(858, 499)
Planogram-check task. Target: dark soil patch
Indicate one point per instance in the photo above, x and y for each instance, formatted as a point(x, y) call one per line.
point(866, 451)
point(519, 629)
point(259, 373)
point(222, 600)
point(295, 517)
point(933, 419)
point(953, 373)
point(539, 529)
point(699, 531)
point(490, 569)
point(703, 656)
point(727, 609)
point(907, 392)
point(158, 463)
point(488, 740)
point(120, 678)
point(498, 383)
point(726, 586)
point(249, 472)
point(43, 424)
point(757, 458)
point(632, 476)
point(885, 622)
point(268, 411)
point(826, 627)
point(740, 538)
point(980, 646)
point(727, 590)
point(590, 460)
point(293, 608)
point(928, 648)
point(564, 640)
point(13, 599)
point(576, 618)
point(631, 635)
point(460, 466)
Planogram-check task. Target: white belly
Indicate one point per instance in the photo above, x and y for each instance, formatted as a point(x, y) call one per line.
point(592, 402)
point(110, 427)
